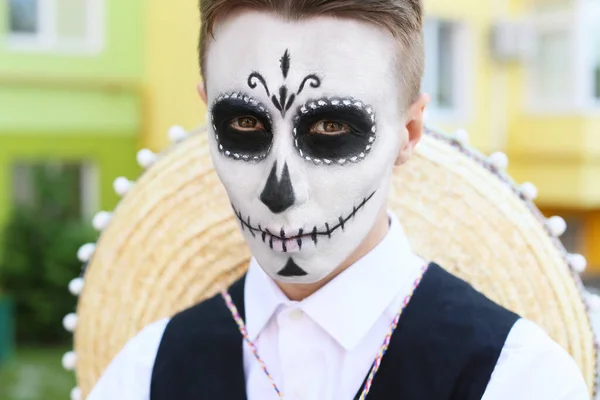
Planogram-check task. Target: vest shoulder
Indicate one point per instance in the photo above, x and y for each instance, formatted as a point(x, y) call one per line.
point(208, 316)
point(456, 308)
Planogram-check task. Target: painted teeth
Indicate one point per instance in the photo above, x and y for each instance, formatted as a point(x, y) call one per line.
point(314, 234)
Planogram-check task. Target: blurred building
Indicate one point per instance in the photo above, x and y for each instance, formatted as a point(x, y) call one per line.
point(70, 96)
point(82, 80)
point(523, 77)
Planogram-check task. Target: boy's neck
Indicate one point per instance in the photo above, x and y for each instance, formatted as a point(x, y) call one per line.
point(300, 291)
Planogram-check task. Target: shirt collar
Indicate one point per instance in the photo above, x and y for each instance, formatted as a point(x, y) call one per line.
point(374, 281)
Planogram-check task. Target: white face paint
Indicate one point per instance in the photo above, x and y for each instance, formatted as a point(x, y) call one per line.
point(307, 170)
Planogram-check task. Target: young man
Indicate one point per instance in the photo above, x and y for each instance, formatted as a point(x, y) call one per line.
point(313, 103)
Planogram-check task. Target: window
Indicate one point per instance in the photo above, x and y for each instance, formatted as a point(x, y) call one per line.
point(595, 52)
point(67, 189)
point(445, 66)
point(55, 25)
point(552, 64)
point(23, 16)
point(573, 238)
point(564, 68)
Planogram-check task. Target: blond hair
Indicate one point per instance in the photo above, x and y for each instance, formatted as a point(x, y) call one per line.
point(402, 18)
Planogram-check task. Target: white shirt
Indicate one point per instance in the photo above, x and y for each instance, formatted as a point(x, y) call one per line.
point(322, 348)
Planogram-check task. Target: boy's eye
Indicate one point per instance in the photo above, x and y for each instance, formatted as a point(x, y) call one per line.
point(247, 123)
point(330, 128)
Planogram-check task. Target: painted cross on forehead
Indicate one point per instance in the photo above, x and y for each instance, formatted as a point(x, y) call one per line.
point(284, 102)
point(326, 132)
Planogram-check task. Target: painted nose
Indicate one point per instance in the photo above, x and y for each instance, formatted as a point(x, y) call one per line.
point(278, 194)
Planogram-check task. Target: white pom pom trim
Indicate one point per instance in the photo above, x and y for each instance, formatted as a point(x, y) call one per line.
point(76, 393)
point(146, 158)
point(122, 185)
point(177, 134)
point(577, 262)
point(76, 286)
point(593, 302)
point(499, 160)
point(462, 136)
point(70, 322)
point(101, 220)
point(556, 225)
point(529, 191)
point(85, 252)
point(69, 360)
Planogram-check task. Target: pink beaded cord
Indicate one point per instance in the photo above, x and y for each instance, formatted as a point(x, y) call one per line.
point(386, 342)
point(242, 327)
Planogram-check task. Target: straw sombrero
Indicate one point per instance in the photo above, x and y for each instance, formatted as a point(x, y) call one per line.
point(173, 241)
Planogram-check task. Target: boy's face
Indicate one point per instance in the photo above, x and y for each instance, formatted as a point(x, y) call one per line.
point(307, 121)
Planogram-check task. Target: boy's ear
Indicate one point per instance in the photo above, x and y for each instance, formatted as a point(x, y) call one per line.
point(201, 89)
point(413, 129)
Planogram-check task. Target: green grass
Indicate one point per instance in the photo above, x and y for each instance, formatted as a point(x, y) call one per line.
point(36, 374)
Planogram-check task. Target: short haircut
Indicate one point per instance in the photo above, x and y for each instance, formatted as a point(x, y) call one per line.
point(402, 18)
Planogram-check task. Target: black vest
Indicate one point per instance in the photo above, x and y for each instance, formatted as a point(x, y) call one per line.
point(445, 347)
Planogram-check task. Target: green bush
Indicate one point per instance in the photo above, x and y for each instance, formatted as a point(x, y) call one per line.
point(39, 247)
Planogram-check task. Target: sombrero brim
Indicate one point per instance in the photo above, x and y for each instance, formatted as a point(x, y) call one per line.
point(173, 241)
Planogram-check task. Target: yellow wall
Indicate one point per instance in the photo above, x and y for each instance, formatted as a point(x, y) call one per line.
point(561, 155)
point(171, 70)
point(592, 240)
point(485, 94)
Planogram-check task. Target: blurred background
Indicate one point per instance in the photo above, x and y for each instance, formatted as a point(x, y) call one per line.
point(84, 84)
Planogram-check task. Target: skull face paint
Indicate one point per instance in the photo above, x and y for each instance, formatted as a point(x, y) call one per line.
point(306, 124)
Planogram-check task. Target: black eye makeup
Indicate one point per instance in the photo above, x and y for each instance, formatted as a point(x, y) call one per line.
point(334, 131)
point(242, 126)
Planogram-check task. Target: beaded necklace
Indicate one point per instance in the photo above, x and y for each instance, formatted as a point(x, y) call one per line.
point(384, 346)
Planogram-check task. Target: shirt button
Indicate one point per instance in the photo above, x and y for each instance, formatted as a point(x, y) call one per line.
point(299, 393)
point(296, 315)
